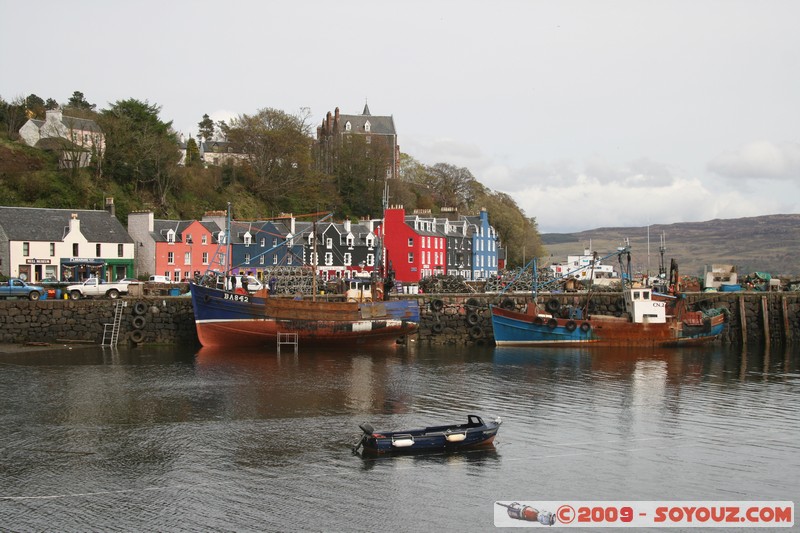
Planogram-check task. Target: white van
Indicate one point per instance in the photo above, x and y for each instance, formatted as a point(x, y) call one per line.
point(238, 282)
point(159, 279)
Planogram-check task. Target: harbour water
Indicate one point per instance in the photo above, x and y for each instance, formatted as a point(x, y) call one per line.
point(165, 439)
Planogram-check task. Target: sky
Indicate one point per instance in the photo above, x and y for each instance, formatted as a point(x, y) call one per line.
point(587, 113)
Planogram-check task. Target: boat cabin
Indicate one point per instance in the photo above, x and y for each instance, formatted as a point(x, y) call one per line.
point(359, 290)
point(643, 308)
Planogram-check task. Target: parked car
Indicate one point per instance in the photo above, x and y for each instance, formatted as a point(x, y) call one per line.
point(16, 288)
point(96, 287)
point(159, 279)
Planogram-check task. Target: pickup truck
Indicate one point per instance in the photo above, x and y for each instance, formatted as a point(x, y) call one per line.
point(19, 289)
point(96, 287)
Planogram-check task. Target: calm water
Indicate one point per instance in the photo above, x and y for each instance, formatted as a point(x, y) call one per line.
point(169, 440)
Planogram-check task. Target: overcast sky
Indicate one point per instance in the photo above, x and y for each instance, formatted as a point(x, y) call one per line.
point(588, 113)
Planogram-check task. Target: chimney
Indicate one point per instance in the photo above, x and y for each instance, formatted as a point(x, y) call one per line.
point(74, 223)
point(110, 206)
point(347, 225)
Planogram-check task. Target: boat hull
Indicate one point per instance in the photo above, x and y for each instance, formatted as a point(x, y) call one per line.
point(512, 328)
point(475, 434)
point(224, 318)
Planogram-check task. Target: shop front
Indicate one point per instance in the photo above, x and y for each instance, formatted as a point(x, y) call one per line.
point(76, 269)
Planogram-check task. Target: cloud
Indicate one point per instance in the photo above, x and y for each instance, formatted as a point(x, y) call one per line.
point(759, 160)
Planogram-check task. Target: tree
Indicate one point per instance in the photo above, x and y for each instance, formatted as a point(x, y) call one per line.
point(519, 234)
point(14, 116)
point(34, 107)
point(277, 147)
point(206, 128)
point(77, 101)
point(192, 153)
point(141, 150)
point(50, 104)
point(451, 185)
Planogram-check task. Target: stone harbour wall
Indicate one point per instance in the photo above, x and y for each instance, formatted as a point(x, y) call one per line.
point(446, 319)
point(160, 320)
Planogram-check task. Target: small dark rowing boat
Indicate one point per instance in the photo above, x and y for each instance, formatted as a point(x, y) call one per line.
point(473, 434)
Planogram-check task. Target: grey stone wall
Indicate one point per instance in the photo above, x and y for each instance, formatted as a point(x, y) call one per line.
point(166, 320)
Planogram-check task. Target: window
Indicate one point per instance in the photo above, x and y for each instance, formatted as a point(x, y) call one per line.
point(221, 237)
point(204, 239)
point(350, 241)
point(26, 249)
point(328, 243)
point(246, 259)
point(97, 250)
point(205, 258)
point(370, 241)
point(187, 258)
point(263, 242)
point(289, 261)
point(75, 249)
point(348, 126)
point(170, 258)
point(274, 242)
point(248, 239)
point(411, 257)
point(261, 260)
point(369, 139)
point(411, 241)
point(171, 237)
point(328, 258)
point(275, 259)
point(348, 259)
point(370, 259)
point(53, 249)
point(120, 250)
point(367, 127)
point(188, 239)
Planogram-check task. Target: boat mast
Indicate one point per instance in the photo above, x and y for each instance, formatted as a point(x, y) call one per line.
point(314, 276)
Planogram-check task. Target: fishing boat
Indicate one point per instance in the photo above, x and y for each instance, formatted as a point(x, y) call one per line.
point(647, 317)
point(227, 318)
point(474, 434)
point(227, 315)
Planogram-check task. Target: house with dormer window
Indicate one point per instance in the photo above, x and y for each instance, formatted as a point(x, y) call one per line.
point(177, 249)
point(484, 245)
point(376, 130)
point(66, 244)
point(414, 247)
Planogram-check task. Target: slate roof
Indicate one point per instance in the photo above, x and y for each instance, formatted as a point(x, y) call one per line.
point(40, 224)
point(378, 125)
point(161, 227)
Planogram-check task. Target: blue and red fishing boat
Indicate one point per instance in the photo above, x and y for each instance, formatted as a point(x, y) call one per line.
point(647, 317)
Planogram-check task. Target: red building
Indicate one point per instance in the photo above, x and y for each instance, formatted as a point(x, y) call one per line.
point(413, 247)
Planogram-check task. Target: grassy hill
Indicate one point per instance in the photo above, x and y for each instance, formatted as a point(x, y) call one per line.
point(756, 244)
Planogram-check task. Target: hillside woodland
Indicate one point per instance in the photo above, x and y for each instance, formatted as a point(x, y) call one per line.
point(280, 171)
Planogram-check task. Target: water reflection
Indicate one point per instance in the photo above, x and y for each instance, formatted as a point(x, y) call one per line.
point(240, 440)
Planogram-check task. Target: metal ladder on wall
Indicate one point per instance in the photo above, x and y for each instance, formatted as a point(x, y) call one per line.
point(111, 331)
point(287, 338)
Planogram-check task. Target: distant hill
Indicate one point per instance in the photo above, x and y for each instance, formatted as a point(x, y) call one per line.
point(757, 244)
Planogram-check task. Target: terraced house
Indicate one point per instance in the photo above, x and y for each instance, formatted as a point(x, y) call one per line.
point(65, 244)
